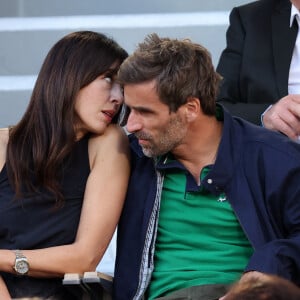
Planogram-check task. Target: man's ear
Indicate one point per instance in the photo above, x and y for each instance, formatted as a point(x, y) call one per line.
point(192, 108)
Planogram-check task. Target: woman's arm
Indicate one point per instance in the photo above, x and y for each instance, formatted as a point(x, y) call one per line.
point(3, 145)
point(4, 294)
point(103, 201)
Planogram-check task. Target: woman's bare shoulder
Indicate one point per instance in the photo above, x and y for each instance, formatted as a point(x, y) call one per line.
point(113, 142)
point(113, 133)
point(4, 134)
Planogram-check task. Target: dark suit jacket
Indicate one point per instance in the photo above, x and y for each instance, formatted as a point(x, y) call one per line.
point(255, 63)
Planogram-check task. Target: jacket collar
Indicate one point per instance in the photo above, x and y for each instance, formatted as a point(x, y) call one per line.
point(227, 156)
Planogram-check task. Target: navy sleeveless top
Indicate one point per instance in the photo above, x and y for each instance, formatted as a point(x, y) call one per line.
point(33, 223)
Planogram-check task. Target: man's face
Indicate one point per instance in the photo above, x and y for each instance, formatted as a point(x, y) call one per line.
point(157, 129)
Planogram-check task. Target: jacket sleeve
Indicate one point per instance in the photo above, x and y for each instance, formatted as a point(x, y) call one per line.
point(229, 67)
point(280, 255)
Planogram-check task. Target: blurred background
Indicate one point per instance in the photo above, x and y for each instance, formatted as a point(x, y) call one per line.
point(29, 28)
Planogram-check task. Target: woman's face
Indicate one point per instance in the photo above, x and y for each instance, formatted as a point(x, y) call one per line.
point(96, 104)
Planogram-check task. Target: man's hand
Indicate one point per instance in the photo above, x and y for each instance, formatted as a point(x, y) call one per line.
point(247, 276)
point(253, 274)
point(284, 116)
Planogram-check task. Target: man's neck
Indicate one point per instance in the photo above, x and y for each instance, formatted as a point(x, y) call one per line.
point(200, 146)
point(296, 3)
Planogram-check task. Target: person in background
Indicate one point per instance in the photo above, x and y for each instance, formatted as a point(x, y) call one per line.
point(267, 287)
point(207, 201)
point(60, 166)
point(261, 65)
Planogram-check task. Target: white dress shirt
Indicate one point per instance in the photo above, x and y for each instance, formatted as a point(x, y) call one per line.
point(294, 74)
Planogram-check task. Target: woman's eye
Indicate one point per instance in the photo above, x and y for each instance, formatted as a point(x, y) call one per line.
point(108, 79)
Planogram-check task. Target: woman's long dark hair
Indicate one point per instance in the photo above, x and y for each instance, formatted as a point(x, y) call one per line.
point(45, 135)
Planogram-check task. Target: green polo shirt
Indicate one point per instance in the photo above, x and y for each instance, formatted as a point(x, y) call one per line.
point(199, 239)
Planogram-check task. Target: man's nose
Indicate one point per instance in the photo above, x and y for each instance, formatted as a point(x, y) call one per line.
point(133, 123)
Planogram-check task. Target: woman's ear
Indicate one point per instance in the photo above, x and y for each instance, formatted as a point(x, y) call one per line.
point(192, 108)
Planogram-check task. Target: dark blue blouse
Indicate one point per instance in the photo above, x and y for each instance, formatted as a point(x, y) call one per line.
point(33, 223)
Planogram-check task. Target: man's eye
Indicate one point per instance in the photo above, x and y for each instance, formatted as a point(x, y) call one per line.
point(108, 79)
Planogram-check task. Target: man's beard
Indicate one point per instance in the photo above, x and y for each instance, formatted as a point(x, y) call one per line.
point(170, 137)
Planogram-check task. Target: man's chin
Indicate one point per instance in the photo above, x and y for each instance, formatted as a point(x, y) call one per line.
point(148, 152)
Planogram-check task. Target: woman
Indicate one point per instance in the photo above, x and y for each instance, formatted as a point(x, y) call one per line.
point(64, 169)
point(4, 295)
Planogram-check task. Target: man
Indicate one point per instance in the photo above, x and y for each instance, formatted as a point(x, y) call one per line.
point(261, 65)
point(210, 196)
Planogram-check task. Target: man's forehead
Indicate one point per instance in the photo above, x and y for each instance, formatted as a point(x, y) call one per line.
point(141, 86)
point(145, 102)
point(140, 93)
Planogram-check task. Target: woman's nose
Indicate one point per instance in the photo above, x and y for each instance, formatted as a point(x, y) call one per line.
point(117, 93)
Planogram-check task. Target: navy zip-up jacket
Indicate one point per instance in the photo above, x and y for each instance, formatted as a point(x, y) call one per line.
point(259, 172)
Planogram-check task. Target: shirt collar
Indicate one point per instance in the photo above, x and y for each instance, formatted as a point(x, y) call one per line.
point(294, 12)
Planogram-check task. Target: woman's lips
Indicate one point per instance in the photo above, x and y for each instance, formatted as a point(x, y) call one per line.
point(109, 114)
